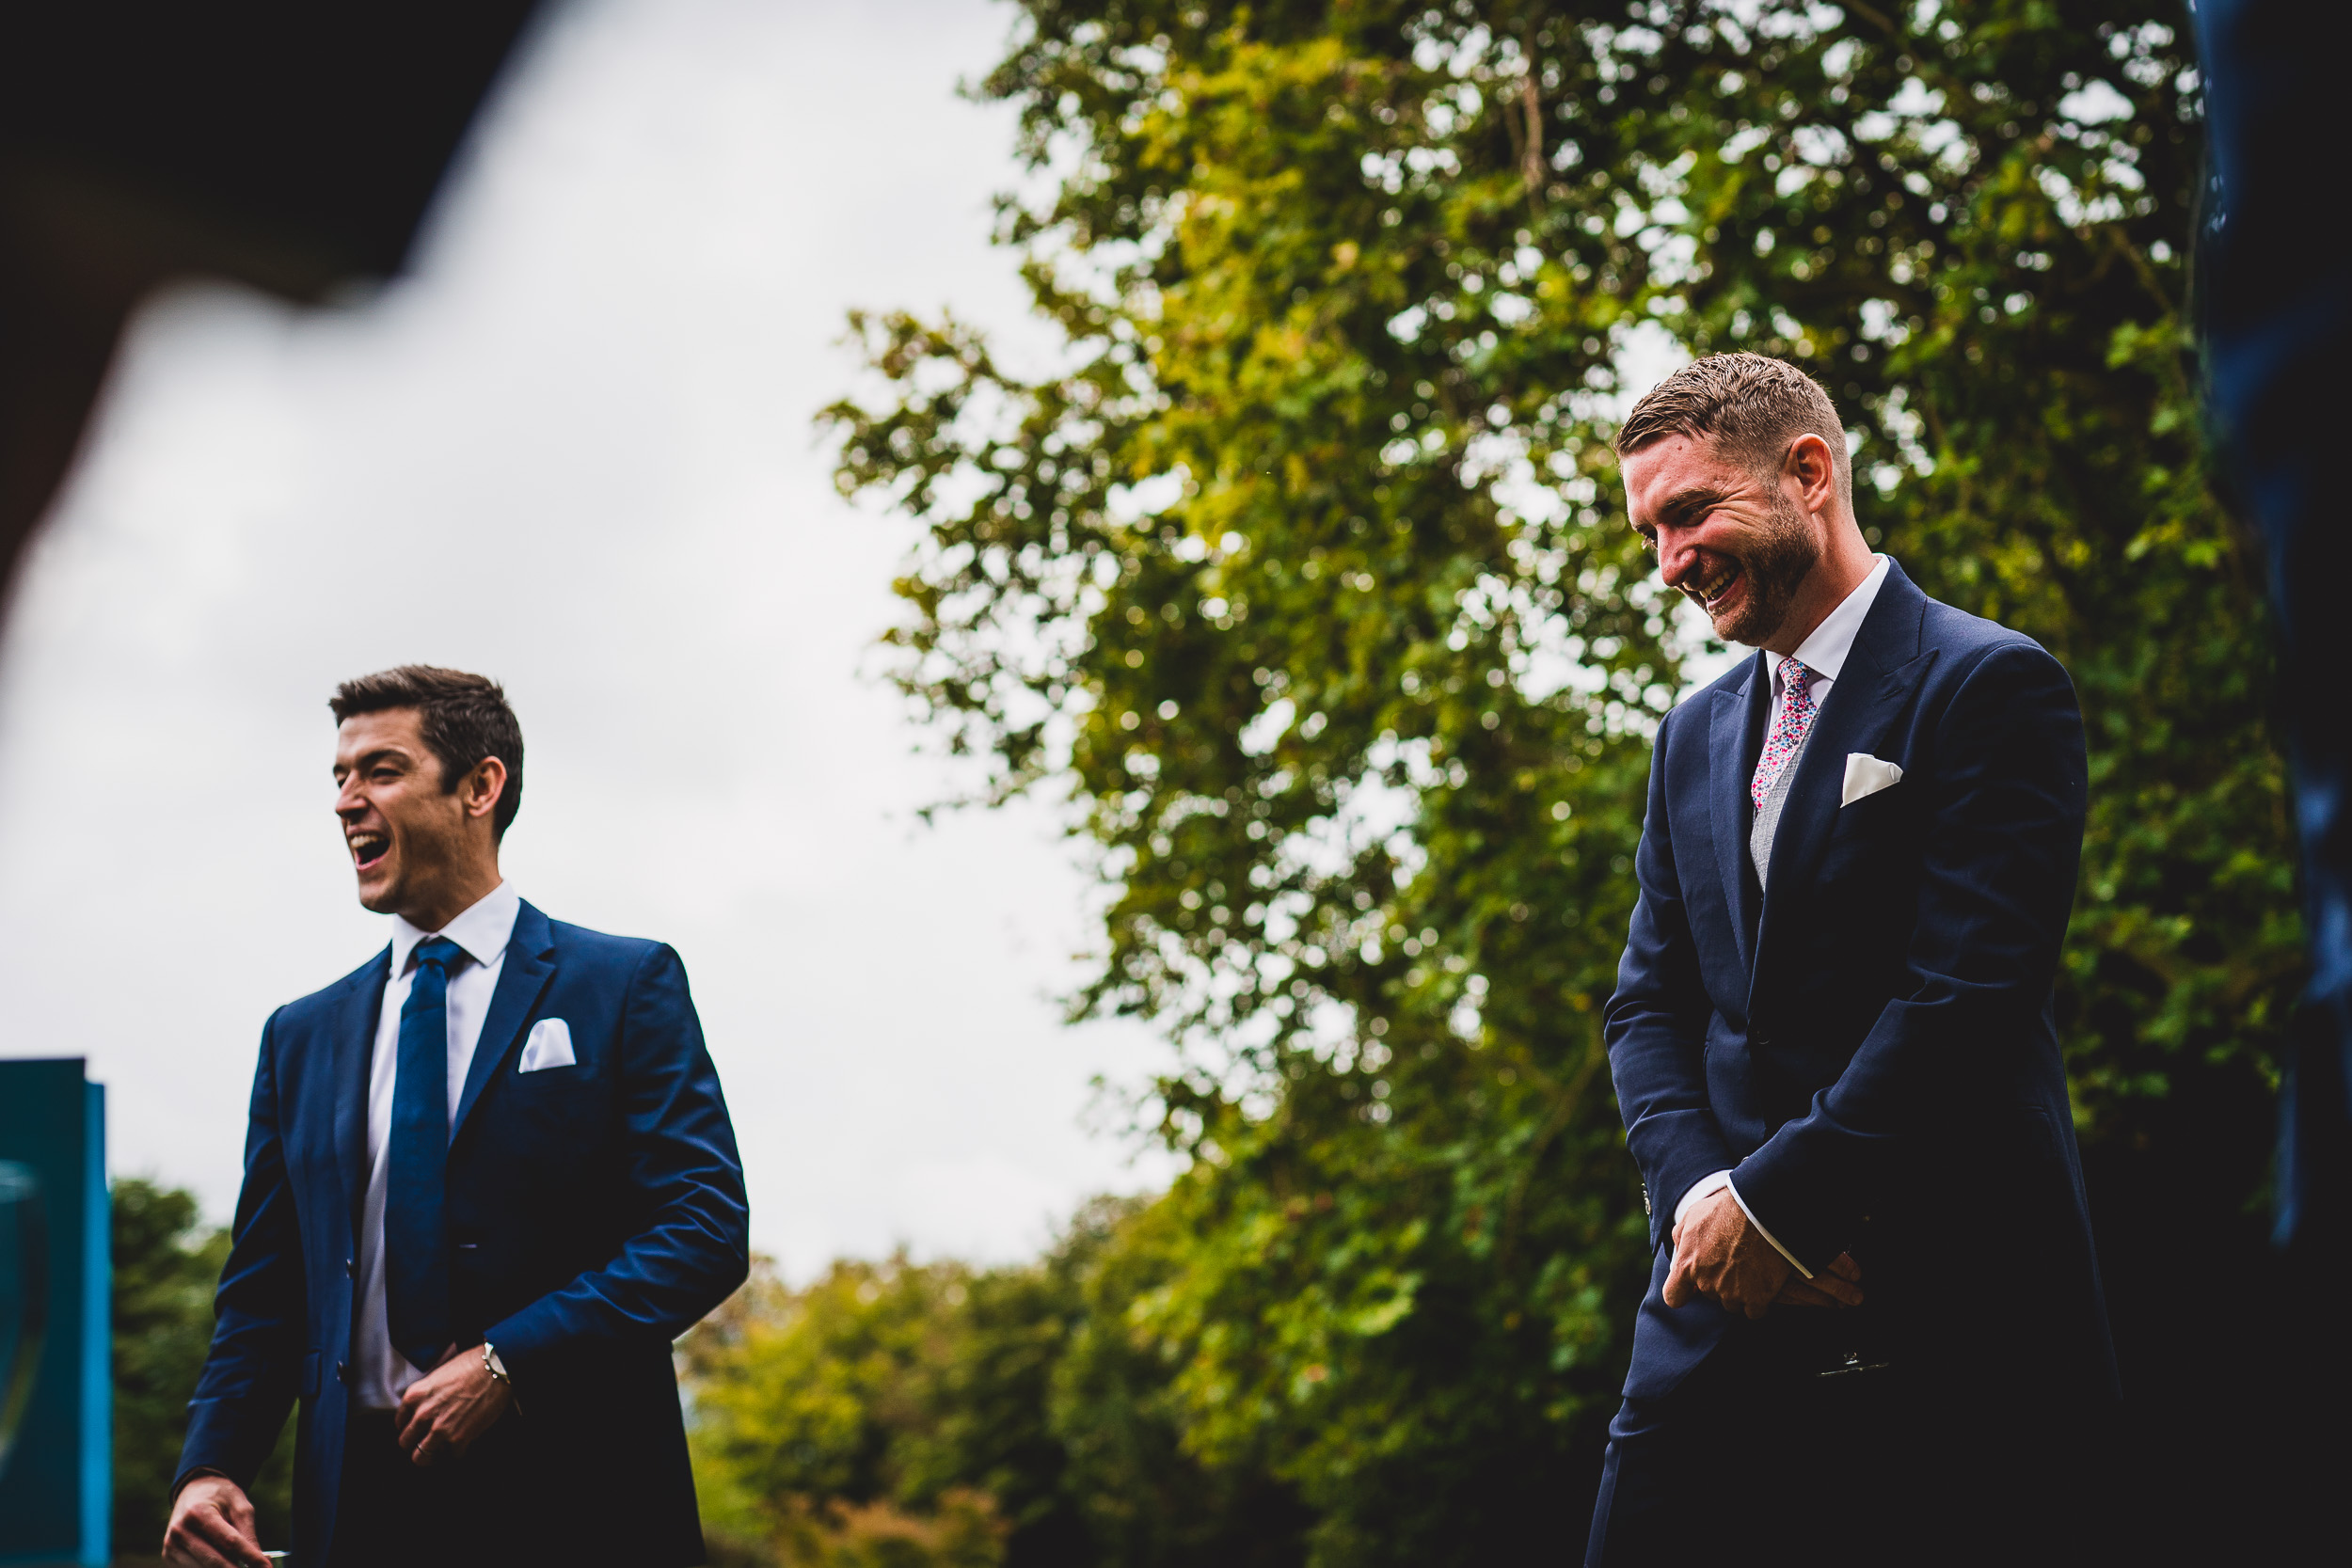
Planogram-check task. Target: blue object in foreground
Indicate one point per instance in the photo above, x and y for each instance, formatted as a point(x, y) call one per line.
point(56, 1404)
point(2277, 326)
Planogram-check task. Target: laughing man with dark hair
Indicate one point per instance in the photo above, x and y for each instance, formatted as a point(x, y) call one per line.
point(489, 1176)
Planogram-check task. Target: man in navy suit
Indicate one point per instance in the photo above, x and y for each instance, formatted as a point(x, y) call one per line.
point(1874, 1328)
point(489, 1178)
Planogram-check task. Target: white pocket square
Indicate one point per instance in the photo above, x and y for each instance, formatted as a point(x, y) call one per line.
point(1867, 775)
point(550, 1045)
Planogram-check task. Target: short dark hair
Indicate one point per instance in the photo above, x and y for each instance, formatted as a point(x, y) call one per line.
point(463, 717)
point(1752, 404)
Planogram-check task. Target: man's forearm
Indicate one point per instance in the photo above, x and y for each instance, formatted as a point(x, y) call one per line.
point(253, 1370)
point(650, 1294)
point(179, 1481)
point(232, 1433)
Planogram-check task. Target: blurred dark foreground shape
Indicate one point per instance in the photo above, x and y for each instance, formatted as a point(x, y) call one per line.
point(296, 147)
point(2277, 320)
point(2275, 316)
point(292, 148)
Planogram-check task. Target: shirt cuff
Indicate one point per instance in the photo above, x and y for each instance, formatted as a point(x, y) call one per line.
point(1762, 1231)
point(1705, 1186)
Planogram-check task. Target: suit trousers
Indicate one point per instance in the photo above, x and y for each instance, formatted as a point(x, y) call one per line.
point(392, 1513)
point(1764, 1455)
point(528, 1492)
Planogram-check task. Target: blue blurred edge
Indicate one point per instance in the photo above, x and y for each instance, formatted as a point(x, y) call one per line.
point(57, 1495)
point(2275, 314)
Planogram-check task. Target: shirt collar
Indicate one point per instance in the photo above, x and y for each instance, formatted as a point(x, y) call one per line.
point(1824, 652)
point(483, 930)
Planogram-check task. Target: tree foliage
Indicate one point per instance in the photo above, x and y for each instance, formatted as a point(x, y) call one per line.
point(167, 1264)
point(898, 1416)
point(1305, 574)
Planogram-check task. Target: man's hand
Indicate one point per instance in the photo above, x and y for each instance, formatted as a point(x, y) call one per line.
point(212, 1526)
point(445, 1410)
point(1720, 1255)
point(1839, 1285)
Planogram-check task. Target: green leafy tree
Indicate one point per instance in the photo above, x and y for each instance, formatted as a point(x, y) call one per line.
point(1011, 1414)
point(1305, 574)
point(167, 1264)
point(807, 1402)
point(1115, 1409)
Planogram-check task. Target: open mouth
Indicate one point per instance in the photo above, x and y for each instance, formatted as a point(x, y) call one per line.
point(1712, 592)
point(367, 850)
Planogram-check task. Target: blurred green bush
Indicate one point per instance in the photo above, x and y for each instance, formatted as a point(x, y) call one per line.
point(903, 1415)
point(167, 1264)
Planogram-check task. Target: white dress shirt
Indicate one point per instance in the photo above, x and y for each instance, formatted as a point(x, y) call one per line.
point(1824, 653)
point(380, 1373)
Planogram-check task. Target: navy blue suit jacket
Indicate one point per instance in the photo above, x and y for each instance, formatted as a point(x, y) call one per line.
point(1866, 1044)
point(595, 1212)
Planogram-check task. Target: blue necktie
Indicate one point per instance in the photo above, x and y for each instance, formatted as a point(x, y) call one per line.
point(416, 1250)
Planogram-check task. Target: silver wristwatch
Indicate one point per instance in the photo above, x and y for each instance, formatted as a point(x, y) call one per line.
point(497, 1369)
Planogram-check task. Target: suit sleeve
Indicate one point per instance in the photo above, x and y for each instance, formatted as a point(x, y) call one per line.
point(2003, 844)
point(694, 1248)
point(253, 1373)
point(1655, 1024)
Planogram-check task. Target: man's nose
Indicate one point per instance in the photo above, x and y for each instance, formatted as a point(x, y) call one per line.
point(1677, 559)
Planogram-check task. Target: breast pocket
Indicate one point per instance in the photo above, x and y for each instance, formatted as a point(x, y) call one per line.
point(552, 1107)
point(555, 1098)
point(1863, 833)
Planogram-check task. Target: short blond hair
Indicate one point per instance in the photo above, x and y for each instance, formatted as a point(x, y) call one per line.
point(1750, 404)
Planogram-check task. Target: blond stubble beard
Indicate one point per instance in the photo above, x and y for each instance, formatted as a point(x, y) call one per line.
point(1773, 570)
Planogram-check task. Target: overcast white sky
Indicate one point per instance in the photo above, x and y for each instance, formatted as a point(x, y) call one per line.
point(573, 450)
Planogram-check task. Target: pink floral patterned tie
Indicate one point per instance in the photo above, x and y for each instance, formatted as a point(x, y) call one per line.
point(1788, 729)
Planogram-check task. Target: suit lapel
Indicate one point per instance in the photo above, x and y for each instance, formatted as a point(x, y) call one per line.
point(530, 965)
point(355, 1048)
point(1735, 738)
point(1876, 684)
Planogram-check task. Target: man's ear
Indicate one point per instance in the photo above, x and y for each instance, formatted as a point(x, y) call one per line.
point(1814, 468)
point(485, 786)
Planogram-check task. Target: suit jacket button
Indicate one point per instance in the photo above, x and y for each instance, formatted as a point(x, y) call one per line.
point(1762, 1036)
point(347, 1268)
point(342, 1372)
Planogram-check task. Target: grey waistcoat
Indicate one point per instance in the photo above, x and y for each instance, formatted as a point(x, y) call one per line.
point(1768, 815)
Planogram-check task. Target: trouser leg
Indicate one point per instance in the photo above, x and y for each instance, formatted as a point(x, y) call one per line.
point(1640, 1487)
point(1765, 1466)
point(1676, 1486)
point(458, 1513)
point(388, 1513)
